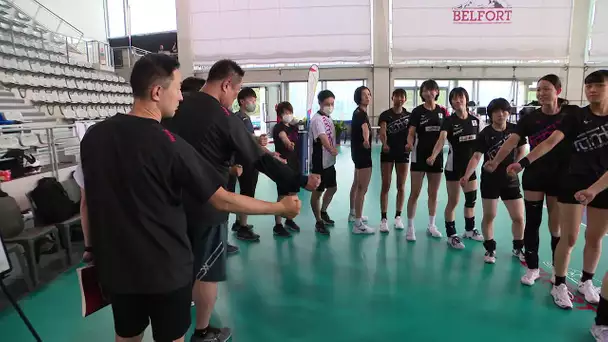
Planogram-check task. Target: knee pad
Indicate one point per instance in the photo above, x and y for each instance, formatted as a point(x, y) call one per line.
point(470, 198)
point(534, 214)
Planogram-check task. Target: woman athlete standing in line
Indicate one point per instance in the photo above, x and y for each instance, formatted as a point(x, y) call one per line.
point(425, 124)
point(393, 124)
point(460, 129)
point(498, 184)
point(543, 178)
point(586, 132)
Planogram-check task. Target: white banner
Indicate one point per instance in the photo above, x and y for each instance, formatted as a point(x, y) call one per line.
point(598, 49)
point(281, 31)
point(481, 29)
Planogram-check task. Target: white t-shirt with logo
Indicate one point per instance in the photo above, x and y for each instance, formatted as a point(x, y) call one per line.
point(321, 124)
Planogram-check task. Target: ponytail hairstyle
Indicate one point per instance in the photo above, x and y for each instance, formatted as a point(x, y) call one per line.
point(557, 83)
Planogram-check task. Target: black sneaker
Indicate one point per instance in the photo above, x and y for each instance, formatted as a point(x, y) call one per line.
point(279, 230)
point(247, 234)
point(325, 217)
point(236, 225)
point(213, 335)
point(321, 229)
point(232, 249)
point(292, 226)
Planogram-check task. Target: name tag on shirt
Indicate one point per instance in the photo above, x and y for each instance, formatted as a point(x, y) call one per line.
point(469, 137)
point(432, 128)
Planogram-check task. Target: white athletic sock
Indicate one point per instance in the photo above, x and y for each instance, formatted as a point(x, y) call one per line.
point(431, 220)
point(410, 222)
point(352, 212)
point(358, 222)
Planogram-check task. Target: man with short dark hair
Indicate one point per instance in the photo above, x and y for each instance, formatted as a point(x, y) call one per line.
point(204, 121)
point(135, 173)
point(192, 84)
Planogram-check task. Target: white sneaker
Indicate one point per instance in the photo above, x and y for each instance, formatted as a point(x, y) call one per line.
point(455, 242)
point(432, 231)
point(490, 257)
point(562, 297)
point(519, 254)
point(363, 229)
point(591, 293)
point(384, 226)
point(399, 223)
point(473, 235)
point(411, 234)
point(352, 218)
point(600, 332)
point(530, 277)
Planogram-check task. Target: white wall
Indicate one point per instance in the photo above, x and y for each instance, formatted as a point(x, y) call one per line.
point(87, 16)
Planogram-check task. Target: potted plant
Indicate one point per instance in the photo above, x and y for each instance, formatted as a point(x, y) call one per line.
point(340, 129)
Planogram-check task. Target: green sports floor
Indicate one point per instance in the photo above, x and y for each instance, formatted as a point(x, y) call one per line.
point(353, 288)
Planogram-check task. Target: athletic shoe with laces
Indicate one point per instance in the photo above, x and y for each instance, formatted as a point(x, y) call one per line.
point(363, 229)
point(590, 292)
point(384, 226)
point(530, 277)
point(473, 235)
point(232, 249)
point(455, 242)
point(399, 223)
point(321, 229)
point(236, 226)
point(291, 225)
point(433, 231)
point(490, 257)
point(562, 297)
point(246, 234)
point(352, 218)
point(326, 219)
point(411, 234)
point(519, 254)
point(213, 335)
point(279, 230)
point(600, 332)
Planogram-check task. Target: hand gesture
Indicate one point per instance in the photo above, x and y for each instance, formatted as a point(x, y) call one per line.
point(87, 257)
point(366, 144)
point(314, 181)
point(278, 157)
point(430, 160)
point(291, 146)
point(290, 207)
point(585, 196)
point(514, 168)
point(334, 151)
point(236, 170)
point(490, 166)
point(408, 147)
point(464, 181)
point(263, 140)
point(385, 148)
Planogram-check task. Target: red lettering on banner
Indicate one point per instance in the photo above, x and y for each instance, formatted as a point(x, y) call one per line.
point(482, 16)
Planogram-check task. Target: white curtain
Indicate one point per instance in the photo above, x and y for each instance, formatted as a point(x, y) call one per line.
point(281, 31)
point(470, 30)
point(598, 51)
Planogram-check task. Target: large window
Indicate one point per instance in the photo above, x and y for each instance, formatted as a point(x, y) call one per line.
point(489, 90)
point(143, 16)
point(116, 18)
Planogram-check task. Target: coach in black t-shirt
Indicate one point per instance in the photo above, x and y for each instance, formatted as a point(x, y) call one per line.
point(203, 121)
point(135, 172)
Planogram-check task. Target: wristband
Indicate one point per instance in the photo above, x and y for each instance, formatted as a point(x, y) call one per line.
point(524, 162)
point(88, 249)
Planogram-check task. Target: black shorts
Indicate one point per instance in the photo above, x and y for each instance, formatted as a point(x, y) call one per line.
point(362, 158)
point(454, 176)
point(283, 191)
point(328, 179)
point(506, 189)
point(169, 313)
point(548, 181)
point(420, 165)
point(248, 181)
point(209, 249)
point(395, 157)
point(575, 184)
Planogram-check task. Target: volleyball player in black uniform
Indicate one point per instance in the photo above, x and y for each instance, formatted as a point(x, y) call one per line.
point(499, 184)
point(425, 124)
point(586, 133)
point(394, 124)
point(361, 153)
point(544, 177)
point(460, 129)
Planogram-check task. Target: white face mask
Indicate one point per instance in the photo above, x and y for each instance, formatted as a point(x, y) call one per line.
point(287, 118)
point(250, 107)
point(327, 110)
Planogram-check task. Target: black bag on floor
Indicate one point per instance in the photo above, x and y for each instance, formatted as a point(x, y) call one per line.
point(53, 205)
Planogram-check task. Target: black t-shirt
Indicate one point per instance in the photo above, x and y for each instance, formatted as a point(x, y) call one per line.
point(489, 142)
point(462, 134)
point(537, 127)
point(360, 118)
point(217, 135)
point(396, 129)
point(135, 172)
point(279, 146)
point(589, 136)
point(428, 126)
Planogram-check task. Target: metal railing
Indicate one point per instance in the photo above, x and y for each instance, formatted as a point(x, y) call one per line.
point(129, 53)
